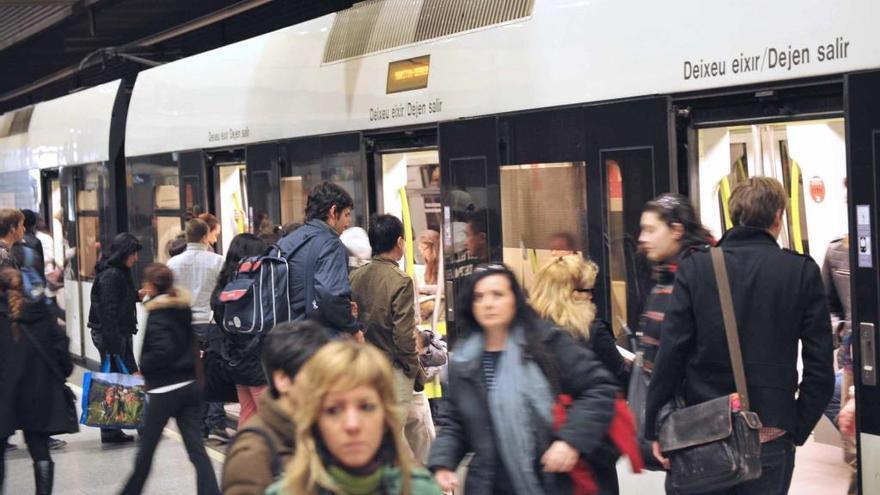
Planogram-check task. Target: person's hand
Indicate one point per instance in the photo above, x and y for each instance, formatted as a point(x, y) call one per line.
point(359, 337)
point(446, 479)
point(559, 458)
point(846, 420)
point(354, 309)
point(658, 454)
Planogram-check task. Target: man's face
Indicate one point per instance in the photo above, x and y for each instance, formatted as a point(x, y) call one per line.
point(339, 220)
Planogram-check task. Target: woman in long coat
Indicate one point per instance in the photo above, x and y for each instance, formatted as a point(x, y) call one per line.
point(36, 361)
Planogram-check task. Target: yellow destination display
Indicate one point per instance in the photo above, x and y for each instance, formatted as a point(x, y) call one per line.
point(409, 74)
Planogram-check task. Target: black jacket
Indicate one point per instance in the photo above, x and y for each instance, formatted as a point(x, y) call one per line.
point(31, 241)
point(466, 426)
point(32, 396)
point(604, 346)
point(779, 302)
point(113, 313)
point(170, 351)
point(332, 291)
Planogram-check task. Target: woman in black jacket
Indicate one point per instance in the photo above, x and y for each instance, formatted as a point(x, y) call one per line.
point(113, 311)
point(168, 363)
point(240, 353)
point(34, 362)
point(505, 376)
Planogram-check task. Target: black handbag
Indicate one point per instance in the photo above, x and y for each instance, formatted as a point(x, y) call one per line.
point(716, 444)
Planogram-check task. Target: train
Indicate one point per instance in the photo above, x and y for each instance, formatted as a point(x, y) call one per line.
point(514, 128)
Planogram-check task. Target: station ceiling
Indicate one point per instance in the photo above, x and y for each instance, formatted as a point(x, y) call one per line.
point(49, 48)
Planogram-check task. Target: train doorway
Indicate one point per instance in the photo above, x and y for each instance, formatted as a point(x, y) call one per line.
point(804, 135)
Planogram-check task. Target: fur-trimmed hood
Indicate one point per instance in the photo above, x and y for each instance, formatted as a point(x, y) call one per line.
point(166, 301)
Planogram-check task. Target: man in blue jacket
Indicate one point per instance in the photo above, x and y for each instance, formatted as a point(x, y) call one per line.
point(319, 285)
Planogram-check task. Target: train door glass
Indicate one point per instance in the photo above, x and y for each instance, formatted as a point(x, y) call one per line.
point(807, 157)
point(630, 184)
point(411, 192)
point(233, 201)
point(543, 214)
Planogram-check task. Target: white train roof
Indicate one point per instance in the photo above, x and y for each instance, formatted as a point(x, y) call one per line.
point(278, 85)
point(71, 130)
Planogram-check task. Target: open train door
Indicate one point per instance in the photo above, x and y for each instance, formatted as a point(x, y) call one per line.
point(863, 160)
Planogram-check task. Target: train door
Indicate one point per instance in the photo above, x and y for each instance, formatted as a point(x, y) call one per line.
point(406, 184)
point(797, 135)
point(863, 159)
point(231, 195)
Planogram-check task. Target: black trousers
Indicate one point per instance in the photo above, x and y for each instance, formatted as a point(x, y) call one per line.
point(38, 447)
point(184, 405)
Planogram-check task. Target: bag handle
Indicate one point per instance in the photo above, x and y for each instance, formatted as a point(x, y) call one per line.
point(730, 328)
point(105, 367)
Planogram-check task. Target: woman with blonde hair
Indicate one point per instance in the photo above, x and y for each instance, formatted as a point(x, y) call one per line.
point(348, 434)
point(563, 294)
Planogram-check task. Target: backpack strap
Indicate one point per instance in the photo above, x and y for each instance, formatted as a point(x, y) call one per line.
point(275, 465)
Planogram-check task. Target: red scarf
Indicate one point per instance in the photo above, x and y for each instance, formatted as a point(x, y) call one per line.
point(622, 432)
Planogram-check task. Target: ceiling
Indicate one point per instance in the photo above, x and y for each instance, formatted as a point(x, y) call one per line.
point(49, 48)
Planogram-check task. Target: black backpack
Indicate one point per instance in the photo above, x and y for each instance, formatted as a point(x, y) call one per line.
point(257, 297)
point(33, 284)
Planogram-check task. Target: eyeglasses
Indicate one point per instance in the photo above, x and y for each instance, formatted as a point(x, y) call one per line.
point(585, 291)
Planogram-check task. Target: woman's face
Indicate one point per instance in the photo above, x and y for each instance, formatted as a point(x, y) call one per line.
point(659, 241)
point(131, 260)
point(427, 251)
point(494, 303)
point(213, 235)
point(352, 424)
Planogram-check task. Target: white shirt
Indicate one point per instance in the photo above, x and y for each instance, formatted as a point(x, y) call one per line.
point(197, 270)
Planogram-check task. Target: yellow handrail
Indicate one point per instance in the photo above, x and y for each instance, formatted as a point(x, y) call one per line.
point(410, 255)
point(794, 199)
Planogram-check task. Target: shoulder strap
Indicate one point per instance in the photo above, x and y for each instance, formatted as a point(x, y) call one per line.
point(273, 451)
point(730, 328)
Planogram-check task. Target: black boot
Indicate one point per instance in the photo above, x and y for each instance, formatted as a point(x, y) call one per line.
point(44, 474)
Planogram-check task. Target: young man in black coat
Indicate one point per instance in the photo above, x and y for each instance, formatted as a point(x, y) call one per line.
point(779, 302)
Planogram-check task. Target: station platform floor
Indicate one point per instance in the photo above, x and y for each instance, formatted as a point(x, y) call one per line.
point(85, 467)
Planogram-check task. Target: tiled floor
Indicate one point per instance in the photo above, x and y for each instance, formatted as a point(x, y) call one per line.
point(85, 467)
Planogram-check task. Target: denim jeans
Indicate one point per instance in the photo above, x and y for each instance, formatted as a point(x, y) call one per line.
point(777, 466)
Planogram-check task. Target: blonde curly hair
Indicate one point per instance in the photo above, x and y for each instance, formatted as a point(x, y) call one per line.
point(553, 293)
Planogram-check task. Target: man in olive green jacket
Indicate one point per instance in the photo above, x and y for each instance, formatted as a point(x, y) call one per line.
point(386, 305)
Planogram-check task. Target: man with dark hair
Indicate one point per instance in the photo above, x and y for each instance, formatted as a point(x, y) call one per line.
point(267, 440)
point(386, 302)
point(779, 305)
point(29, 240)
point(11, 231)
point(197, 270)
point(319, 286)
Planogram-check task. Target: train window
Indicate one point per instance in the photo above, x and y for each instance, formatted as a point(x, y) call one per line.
point(543, 214)
point(469, 216)
point(167, 207)
point(88, 221)
point(630, 184)
point(342, 169)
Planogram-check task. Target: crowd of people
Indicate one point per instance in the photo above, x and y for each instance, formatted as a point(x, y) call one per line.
point(332, 401)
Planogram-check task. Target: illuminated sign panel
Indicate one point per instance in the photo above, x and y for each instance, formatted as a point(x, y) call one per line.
point(409, 74)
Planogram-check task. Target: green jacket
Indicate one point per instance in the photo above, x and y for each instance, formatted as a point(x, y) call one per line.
point(386, 304)
point(421, 483)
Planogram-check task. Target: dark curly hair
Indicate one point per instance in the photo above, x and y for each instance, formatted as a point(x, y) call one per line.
point(323, 197)
point(674, 208)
